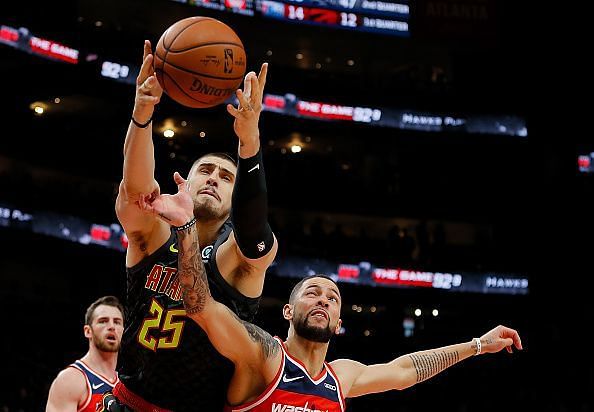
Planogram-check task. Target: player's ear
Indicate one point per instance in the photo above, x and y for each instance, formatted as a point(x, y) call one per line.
point(288, 311)
point(87, 331)
point(338, 326)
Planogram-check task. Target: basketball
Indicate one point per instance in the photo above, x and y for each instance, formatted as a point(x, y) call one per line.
point(200, 62)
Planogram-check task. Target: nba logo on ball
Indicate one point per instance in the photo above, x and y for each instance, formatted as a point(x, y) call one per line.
point(228, 60)
point(188, 57)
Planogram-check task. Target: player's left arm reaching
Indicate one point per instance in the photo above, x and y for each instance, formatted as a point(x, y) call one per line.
point(358, 379)
point(251, 247)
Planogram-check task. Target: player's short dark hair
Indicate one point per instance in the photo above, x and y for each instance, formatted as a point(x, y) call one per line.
point(297, 287)
point(105, 300)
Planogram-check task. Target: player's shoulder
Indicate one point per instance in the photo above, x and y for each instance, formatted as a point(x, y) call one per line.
point(345, 363)
point(345, 368)
point(72, 374)
point(69, 385)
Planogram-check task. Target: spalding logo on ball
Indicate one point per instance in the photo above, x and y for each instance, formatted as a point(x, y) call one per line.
point(200, 62)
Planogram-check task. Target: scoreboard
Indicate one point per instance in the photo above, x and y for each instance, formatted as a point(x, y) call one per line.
point(387, 16)
point(362, 15)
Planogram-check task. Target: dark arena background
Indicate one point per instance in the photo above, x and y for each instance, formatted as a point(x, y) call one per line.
point(403, 156)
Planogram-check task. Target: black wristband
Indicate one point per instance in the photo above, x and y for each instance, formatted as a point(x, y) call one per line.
point(142, 125)
point(186, 226)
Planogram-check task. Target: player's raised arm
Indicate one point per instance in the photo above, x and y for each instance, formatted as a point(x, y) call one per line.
point(252, 246)
point(139, 163)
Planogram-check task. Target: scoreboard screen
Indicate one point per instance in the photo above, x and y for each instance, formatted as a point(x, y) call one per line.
point(245, 7)
point(387, 17)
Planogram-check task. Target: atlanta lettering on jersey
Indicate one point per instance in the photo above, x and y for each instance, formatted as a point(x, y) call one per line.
point(279, 407)
point(163, 279)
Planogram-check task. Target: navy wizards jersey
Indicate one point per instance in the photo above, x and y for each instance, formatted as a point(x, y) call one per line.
point(97, 385)
point(166, 358)
point(294, 390)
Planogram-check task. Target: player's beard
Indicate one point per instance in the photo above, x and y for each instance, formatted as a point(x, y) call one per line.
point(104, 345)
point(312, 333)
point(205, 210)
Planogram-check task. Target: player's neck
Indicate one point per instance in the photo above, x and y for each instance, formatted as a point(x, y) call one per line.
point(102, 362)
point(208, 231)
point(311, 354)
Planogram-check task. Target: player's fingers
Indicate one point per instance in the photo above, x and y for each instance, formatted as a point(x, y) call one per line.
point(149, 85)
point(146, 49)
point(142, 203)
point(180, 182)
point(256, 93)
point(146, 69)
point(244, 103)
point(232, 111)
point(247, 84)
point(262, 77)
point(517, 340)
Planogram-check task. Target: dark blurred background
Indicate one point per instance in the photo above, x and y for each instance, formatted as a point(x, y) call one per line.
point(477, 201)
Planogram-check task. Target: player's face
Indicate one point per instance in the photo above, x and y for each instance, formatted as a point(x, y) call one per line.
point(316, 311)
point(211, 186)
point(107, 328)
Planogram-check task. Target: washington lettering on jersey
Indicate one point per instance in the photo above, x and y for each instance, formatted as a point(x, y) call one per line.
point(277, 407)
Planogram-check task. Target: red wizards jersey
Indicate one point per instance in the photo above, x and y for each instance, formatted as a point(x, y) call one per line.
point(293, 390)
point(97, 385)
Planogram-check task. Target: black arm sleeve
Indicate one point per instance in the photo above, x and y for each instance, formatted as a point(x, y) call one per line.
point(249, 208)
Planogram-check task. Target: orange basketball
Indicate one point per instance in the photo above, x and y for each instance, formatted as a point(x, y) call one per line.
point(200, 62)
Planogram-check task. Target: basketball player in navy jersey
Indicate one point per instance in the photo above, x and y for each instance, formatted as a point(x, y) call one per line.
point(80, 387)
point(167, 361)
point(272, 375)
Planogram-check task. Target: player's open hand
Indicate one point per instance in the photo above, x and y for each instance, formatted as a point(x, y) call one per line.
point(247, 113)
point(177, 210)
point(500, 337)
point(148, 89)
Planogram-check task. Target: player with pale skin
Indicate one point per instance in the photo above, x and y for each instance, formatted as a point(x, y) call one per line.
point(70, 390)
point(229, 201)
point(313, 313)
point(211, 182)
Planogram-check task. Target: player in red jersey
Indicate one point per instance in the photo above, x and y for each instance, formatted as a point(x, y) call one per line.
point(80, 387)
point(271, 375)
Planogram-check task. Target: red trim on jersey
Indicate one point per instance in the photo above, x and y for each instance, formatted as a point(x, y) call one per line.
point(89, 390)
point(106, 379)
point(335, 376)
point(265, 394)
point(315, 380)
point(134, 401)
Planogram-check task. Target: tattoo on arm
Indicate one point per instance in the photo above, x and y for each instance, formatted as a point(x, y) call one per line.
point(268, 344)
point(430, 364)
point(191, 272)
point(192, 277)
